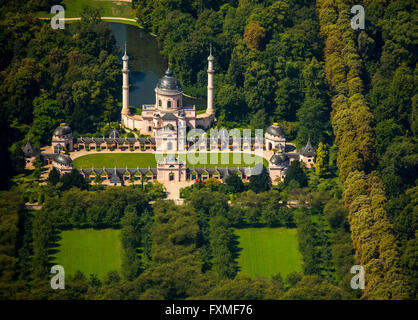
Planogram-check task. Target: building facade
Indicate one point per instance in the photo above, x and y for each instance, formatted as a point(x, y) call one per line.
point(165, 124)
point(168, 119)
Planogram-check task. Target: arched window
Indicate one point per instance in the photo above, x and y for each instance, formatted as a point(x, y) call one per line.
point(169, 145)
point(160, 103)
point(168, 104)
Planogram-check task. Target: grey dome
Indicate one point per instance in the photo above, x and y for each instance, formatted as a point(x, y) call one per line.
point(62, 131)
point(275, 130)
point(169, 82)
point(29, 150)
point(63, 160)
point(279, 159)
point(308, 150)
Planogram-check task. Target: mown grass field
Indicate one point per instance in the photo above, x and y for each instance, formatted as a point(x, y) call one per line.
point(90, 251)
point(145, 160)
point(268, 251)
point(108, 8)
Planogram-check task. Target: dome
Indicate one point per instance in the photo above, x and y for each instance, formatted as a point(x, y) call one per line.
point(168, 82)
point(62, 130)
point(279, 159)
point(275, 130)
point(29, 150)
point(308, 150)
point(63, 160)
point(114, 134)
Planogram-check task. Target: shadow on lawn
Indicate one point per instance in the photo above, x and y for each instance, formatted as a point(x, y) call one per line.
point(53, 246)
point(235, 250)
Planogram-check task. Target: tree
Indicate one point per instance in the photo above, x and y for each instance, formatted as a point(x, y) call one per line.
point(47, 114)
point(112, 277)
point(73, 179)
point(18, 158)
point(235, 183)
point(229, 102)
point(42, 231)
point(260, 182)
point(313, 118)
point(315, 288)
point(270, 215)
point(220, 241)
point(259, 87)
point(410, 261)
point(254, 35)
point(260, 120)
point(321, 160)
point(336, 214)
point(54, 176)
point(98, 179)
point(293, 278)
point(296, 173)
point(399, 160)
point(386, 132)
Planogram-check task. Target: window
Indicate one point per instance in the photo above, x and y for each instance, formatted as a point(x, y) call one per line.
point(168, 104)
point(149, 129)
point(160, 103)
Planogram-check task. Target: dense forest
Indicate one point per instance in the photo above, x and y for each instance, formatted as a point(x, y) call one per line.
point(271, 69)
point(51, 76)
point(295, 62)
point(267, 59)
point(373, 121)
point(175, 252)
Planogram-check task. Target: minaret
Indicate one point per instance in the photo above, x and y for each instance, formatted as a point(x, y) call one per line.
point(125, 87)
point(209, 109)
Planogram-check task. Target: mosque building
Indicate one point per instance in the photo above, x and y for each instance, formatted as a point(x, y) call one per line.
point(164, 125)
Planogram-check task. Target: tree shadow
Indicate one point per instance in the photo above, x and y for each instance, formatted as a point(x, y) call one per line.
point(53, 246)
point(53, 241)
point(235, 250)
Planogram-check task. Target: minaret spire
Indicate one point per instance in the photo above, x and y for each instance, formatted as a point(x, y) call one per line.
point(209, 109)
point(125, 88)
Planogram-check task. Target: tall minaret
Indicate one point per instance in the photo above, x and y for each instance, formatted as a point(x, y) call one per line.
point(209, 109)
point(125, 87)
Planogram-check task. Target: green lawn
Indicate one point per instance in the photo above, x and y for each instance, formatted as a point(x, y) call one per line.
point(145, 160)
point(109, 8)
point(268, 251)
point(90, 251)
